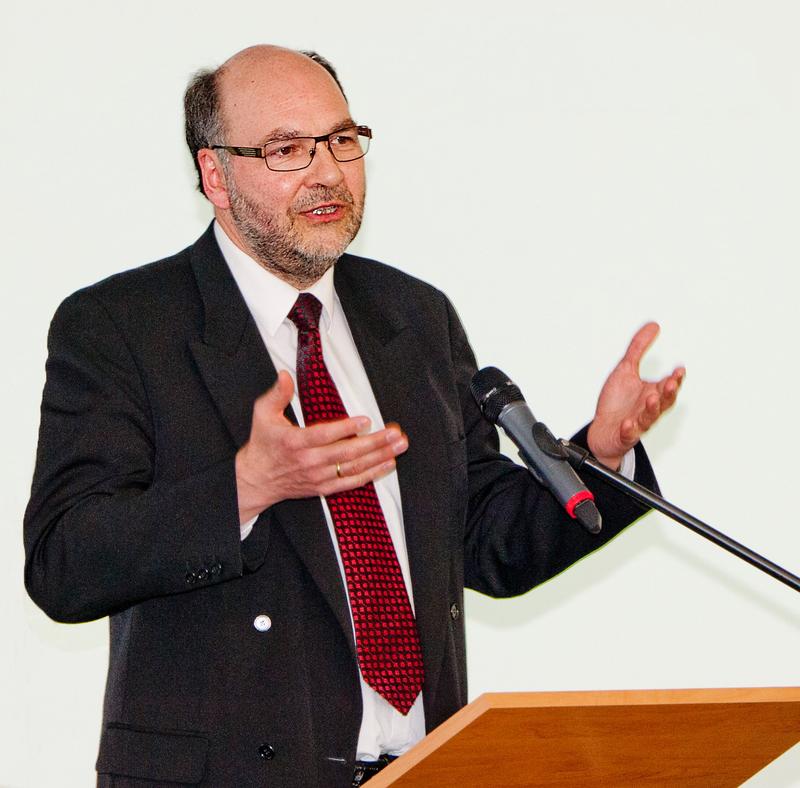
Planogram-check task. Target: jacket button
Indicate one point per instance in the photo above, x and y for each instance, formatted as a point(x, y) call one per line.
point(262, 623)
point(216, 568)
point(267, 752)
point(191, 578)
point(455, 611)
point(202, 574)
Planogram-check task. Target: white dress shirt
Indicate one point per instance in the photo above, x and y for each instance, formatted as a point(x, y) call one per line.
point(269, 299)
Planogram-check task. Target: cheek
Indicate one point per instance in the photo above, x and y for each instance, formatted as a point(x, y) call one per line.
point(271, 190)
point(356, 183)
point(285, 192)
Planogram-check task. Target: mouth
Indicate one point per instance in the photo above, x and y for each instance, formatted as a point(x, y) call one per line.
point(324, 209)
point(327, 212)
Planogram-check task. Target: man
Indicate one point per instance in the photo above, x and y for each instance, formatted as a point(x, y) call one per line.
point(284, 580)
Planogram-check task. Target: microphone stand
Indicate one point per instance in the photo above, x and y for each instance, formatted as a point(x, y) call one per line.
point(579, 458)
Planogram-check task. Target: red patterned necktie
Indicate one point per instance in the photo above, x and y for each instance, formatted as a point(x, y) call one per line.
point(386, 633)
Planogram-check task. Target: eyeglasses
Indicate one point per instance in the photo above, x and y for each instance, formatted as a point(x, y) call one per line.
point(296, 153)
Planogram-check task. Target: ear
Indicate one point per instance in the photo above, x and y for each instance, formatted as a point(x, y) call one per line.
point(214, 184)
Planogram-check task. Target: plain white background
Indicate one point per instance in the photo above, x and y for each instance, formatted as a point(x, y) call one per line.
point(564, 171)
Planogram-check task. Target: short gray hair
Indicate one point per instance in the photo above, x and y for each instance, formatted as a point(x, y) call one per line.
point(203, 123)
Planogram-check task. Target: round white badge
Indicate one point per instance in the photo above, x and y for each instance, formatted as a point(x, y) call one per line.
point(262, 623)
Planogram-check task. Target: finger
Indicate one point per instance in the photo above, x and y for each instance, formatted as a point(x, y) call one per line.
point(394, 425)
point(641, 341)
point(329, 432)
point(676, 376)
point(651, 411)
point(668, 387)
point(679, 375)
point(668, 398)
point(354, 448)
point(336, 484)
point(669, 393)
point(629, 434)
point(364, 462)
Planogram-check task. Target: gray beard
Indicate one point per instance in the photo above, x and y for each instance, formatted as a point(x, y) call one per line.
point(283, 251)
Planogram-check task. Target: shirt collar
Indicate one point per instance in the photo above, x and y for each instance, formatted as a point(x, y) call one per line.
point(267, 296)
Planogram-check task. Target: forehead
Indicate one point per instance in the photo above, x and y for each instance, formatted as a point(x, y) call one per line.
point(264, 93)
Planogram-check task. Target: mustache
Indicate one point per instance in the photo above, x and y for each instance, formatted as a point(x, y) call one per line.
point(320, 194)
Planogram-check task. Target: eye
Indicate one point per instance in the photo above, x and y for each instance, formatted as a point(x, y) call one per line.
point(344, 139)
point(281, 150)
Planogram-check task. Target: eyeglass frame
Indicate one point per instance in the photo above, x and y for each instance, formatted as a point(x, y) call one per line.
point(260, 152)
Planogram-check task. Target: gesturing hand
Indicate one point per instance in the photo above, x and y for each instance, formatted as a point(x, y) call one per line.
point(628, 406)
point(281, 460)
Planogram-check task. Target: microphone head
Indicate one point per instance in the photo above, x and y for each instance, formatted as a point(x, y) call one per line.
point(493, 390)
point(588, 516)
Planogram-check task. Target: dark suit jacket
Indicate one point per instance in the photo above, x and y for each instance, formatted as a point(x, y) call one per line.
point(151, 377)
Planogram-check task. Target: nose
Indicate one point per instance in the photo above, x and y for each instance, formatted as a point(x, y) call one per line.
point(324, 169)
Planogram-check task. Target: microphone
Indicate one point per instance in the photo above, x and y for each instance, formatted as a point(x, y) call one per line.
point(501, 402)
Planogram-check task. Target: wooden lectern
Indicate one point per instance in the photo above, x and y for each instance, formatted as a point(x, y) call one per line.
point(706, 737)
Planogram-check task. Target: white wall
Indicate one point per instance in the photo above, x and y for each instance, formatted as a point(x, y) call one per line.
point(643, 163)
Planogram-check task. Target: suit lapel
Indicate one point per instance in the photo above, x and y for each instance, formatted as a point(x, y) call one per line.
point(236, 369)
point(388, 345)
point(231, 357)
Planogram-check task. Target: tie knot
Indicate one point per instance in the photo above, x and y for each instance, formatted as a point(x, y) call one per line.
point(305, 312)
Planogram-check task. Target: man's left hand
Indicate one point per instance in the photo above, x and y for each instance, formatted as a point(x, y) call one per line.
point(628, 406)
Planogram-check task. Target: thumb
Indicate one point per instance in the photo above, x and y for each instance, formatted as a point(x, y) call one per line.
point(277, 398)
point(641, 341)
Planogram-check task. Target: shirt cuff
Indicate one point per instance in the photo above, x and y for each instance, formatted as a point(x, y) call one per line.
point(245, 528)
point(627, 468)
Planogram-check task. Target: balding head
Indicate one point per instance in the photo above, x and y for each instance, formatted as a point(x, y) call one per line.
point(203, 111)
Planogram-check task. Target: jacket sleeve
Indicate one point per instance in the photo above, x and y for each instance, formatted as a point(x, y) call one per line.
point(516, 534)
point(100, 534)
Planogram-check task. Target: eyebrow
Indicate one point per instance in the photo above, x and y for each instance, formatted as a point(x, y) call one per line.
point(287, 133)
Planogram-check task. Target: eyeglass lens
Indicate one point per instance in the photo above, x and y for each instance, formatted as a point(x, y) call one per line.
point(297, 152)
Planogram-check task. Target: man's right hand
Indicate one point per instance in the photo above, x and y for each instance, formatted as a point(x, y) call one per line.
point(281, 460)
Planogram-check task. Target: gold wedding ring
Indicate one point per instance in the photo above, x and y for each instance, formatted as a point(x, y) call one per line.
point(338, 470)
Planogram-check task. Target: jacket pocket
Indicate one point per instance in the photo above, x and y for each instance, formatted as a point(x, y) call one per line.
point(162, 756)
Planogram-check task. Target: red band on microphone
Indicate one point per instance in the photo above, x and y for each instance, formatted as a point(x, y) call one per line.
point(579, 497)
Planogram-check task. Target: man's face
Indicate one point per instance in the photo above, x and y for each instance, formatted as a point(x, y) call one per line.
point(296, 224)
